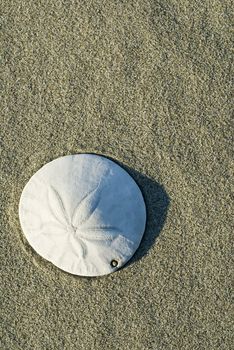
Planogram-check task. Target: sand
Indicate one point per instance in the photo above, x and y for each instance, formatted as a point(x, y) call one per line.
point(148, 84)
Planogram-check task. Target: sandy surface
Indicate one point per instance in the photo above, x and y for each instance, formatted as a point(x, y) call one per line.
point(146, 83)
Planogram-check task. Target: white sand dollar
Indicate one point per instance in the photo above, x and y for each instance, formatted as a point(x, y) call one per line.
point(83, 213)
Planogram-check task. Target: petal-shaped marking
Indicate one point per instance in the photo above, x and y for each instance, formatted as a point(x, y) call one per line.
point(53, 225)
point(89, 203)
point(77, 246)
point(99, 233)
point(86, 207)
point(56, 206)
point(52, 231)
point(84, 247)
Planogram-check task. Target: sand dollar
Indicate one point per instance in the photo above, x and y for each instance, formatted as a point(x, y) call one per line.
point(84, 213)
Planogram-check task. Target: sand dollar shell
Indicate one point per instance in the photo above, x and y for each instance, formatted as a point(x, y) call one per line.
point(84, 213)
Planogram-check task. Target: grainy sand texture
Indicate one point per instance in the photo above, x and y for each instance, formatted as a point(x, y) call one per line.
point(148, 84)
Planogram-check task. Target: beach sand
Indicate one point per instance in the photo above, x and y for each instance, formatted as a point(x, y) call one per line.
point(146, 83)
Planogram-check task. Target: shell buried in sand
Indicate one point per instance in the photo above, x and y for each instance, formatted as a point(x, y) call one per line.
point(83, 213)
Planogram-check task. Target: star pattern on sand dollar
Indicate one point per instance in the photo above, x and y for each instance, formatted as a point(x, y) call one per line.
point(77, 225)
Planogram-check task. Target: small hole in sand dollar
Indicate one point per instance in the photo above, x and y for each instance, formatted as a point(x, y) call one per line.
point(114, 263)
